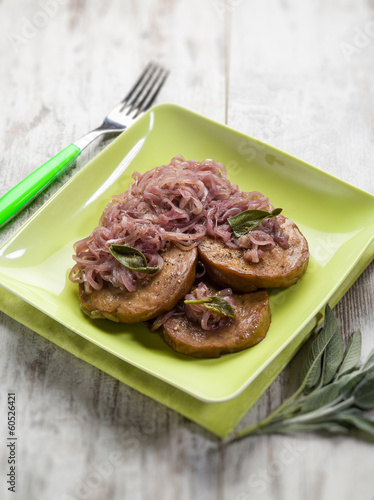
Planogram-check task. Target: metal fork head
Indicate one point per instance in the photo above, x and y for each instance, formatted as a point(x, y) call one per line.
point(139, 99)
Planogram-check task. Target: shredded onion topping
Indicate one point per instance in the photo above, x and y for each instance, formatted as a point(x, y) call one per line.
point(199, 313)
point(180, 203)
point(208, 319)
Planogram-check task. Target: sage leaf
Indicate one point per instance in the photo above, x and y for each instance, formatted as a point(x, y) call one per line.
point(313, 375)
point(336, 407)
point(352, 354)
point(327, 426)
point(364, 393)
point(312, 368)
point(216, 304)
point(348, 383)
point(323, 397)
point(358, 421)
point(132, 259)
point(249, 219)
point(332, 427)
point(333, 354)
point(368, 366)
point(339, 389)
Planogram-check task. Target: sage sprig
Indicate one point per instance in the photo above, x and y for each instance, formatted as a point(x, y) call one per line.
point(132, 258)
point(335, 391)
point(216, 304)
point(249, 219)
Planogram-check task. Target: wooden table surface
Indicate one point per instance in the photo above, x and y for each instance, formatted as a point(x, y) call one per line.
point(294, 73)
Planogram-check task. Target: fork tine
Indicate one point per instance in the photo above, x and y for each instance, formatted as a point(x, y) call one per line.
point(147, 89)
point(142, 87)
point(148, 69)
point(152, 91)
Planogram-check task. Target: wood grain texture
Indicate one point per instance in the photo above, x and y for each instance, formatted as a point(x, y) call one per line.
point(294, 73)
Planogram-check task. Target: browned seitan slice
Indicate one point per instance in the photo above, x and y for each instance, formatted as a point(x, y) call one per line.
point(279, 268)
point(154, 295)
point(251, 323)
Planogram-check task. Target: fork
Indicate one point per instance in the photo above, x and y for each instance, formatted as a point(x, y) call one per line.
point(137, 101)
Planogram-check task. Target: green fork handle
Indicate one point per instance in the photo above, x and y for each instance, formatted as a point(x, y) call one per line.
point(24, 192)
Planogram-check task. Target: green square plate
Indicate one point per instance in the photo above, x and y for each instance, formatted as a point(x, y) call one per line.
point(336, 218)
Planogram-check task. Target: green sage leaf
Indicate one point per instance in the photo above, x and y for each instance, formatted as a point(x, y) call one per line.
point(333, 354)
point(249, 219)
point(322, 397)
point(335, 391)
point(352, 354)
point(312, 369)
point(327, 426)
point(360, 422)
point(313, 375)
point(368, 366)
point(131, 258)
point(331, 427)
point(364, 393)
point(337, 406)
point(348, 383)
point(286, 428)
point(216, 304)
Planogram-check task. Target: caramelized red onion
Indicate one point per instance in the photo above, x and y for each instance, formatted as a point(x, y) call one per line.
point(208, 319)
point(179, 203)
point(199, 313)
